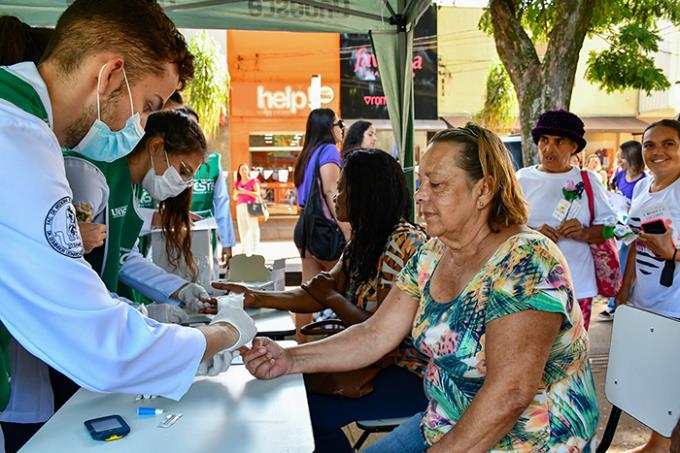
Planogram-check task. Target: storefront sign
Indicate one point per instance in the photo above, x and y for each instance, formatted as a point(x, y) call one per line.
point(361, 90)
point(277, 99)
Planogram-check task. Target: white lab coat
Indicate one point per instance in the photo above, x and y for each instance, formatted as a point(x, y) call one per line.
point(90, 189)
point(53, 303)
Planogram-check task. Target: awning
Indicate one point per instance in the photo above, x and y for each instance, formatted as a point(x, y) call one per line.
point(614, 124)
point(419, 125)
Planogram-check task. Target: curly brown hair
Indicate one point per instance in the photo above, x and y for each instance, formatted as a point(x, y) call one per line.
point(138, 29)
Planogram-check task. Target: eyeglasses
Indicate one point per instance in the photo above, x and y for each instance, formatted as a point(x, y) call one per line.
point(186, 172)
point(340, 124)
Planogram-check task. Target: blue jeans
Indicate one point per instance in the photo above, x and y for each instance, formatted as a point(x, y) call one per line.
point(407, 438)
point(396, 393)
point(623, 255)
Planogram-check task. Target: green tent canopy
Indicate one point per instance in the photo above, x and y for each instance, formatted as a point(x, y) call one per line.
point(389, 22)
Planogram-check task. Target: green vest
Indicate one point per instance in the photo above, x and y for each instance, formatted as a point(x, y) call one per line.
point(144, 200)
point(24, 96)
point(122, 224)
point(204, 186)
point(204, 189)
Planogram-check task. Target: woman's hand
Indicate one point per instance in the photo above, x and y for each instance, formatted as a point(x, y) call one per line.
point(249, 297)
point(321, 287)
point(550, 232)
point(623, 296)
point(573, 229)
point(92, 234)
point(661, 244)
point(266, 359)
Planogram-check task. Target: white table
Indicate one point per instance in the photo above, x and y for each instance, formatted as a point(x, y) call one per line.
point(272, 323)
point(232, 412)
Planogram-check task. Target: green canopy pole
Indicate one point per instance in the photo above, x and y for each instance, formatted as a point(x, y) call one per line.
point(394, 53)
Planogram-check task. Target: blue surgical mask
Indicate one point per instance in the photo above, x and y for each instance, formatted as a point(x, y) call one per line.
point(104, 145)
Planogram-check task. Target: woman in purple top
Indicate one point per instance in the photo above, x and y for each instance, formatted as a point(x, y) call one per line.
point(246, 190)
point(323, 131)
point(632, 169)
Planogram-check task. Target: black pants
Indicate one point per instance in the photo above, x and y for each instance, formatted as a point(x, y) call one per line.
point(17, 434)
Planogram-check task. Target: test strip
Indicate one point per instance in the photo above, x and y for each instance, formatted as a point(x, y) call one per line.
point(169, 420)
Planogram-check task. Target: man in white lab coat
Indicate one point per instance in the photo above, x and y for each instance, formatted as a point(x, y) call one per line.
point(109, 64)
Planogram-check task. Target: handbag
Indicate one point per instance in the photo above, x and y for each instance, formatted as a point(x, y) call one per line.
point(256, 209)
point(347, 384)
point(605, 254)
point(321, 235)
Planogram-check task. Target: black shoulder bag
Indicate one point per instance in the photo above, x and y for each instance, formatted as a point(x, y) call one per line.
point(322, 236)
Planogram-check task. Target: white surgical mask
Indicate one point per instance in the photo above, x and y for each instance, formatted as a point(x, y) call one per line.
point(168, 185)
point(104, 145)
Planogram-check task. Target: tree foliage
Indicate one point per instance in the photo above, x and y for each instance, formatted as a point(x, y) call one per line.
point(500, 104)
point(208, 91)
point(539, 43)
point(628, 62)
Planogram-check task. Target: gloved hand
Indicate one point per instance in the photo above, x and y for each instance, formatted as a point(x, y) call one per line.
point(195, 298)
point(167, 313)
point(142, 309)
point(219, 363)
point(241, 322)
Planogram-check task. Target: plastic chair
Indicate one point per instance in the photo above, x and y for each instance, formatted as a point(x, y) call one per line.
point(381, 425)
point(643, 374)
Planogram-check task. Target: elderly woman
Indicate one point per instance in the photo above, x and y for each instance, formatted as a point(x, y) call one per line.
point(559, 135)
point(652, 275)
point(491, 305)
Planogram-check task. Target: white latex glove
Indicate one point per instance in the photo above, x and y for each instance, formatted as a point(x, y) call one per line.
point(193, 296)
point(219, 363)
point(167, 313)
point(142, 309)
point(241, 322)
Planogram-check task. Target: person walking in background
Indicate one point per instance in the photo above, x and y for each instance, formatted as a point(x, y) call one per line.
point(361, 134)
point(595, 166)
point(323, 132)
point(247, 190)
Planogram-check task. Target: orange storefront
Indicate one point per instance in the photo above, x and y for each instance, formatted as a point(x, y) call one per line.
point(270, 77)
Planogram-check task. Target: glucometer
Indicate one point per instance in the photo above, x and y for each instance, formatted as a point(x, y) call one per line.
point(111, 427)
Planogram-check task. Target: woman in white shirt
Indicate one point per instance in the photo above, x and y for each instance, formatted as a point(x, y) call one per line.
point(652, 276)
point(559, 135)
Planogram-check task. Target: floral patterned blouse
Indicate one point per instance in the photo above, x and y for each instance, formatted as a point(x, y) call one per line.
point(527, 272)
point(402, 243)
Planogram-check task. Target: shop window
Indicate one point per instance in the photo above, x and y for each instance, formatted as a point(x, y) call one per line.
point(272, 159)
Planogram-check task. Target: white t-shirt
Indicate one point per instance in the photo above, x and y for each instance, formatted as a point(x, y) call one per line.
point(543, 191)
point(648, 293)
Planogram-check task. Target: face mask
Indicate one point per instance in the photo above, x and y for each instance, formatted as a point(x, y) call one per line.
point(168, 185)
point(104, 145)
